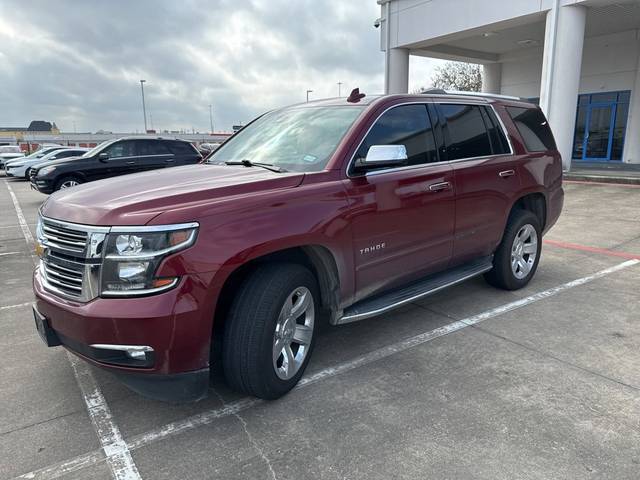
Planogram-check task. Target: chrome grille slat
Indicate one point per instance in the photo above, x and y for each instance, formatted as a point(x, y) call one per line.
point(72, 280)
point(65, 286)
point(64, 239)
point(65, 233)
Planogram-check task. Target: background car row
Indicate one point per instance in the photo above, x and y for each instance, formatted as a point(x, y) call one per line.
point(113, 158)
point(55, 166)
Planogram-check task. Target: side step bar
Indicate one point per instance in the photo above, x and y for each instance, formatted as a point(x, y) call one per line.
point(384, 302)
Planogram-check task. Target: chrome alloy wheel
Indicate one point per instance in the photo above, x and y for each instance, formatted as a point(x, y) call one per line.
point(293, 333)
point(69, 184)
point(524, 251)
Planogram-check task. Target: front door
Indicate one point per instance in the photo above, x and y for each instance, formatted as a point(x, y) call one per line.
point(402, 218)
point(598, 137)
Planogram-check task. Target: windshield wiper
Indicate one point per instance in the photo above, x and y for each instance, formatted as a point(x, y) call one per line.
point(249, 163)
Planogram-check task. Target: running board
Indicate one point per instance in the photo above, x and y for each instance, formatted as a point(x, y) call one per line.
point(383, 302)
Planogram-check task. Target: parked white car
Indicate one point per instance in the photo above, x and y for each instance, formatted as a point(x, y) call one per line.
point(21, 167)
point(9, 152)
point(44, 149)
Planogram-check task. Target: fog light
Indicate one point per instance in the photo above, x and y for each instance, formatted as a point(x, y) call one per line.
point(136, 354)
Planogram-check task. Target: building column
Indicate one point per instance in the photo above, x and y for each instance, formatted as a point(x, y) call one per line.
point(631, 151)
point(398, 70)
point(492, 78)
point(562, 63)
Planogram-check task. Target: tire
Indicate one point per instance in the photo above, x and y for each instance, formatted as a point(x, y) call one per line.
point(26, 173)
point(67, 182)
point(257, 327)
point(522, 237)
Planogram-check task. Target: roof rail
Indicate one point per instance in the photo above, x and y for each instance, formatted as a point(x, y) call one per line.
point(440, 91)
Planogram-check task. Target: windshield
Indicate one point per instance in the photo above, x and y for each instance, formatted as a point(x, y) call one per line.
point(98, 147)
point(295, 139)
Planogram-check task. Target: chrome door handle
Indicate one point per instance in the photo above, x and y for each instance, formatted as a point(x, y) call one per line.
point(507, 173)
point(131, 163)
point(440, 187)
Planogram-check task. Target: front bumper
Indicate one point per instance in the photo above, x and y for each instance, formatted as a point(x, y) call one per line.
point(43, 186)
point(176, 324)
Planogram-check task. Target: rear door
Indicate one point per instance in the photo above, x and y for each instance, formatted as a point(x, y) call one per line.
point(153, 154)
point(402, 218)
point(485, 175)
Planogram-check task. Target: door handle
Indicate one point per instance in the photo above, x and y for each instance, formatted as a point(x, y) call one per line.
point(440, 187)
point(131, 163)
point(507, 173)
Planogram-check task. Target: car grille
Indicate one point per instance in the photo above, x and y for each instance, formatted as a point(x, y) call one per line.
point(72, 258)
point(65, 239)
point(64, 276)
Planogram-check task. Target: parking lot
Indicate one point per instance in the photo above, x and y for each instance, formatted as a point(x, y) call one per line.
point(472, 382)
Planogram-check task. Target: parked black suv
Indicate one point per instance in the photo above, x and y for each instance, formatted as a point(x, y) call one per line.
point(113, 158)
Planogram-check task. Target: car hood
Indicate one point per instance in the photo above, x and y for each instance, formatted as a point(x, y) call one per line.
point(136, 199)
point(11, 155)
point(60, 161)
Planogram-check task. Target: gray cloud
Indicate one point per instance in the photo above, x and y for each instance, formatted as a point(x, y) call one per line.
point(67, 61)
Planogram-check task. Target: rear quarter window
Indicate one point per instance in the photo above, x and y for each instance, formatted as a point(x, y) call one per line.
point(182, 148)
point(533, 128)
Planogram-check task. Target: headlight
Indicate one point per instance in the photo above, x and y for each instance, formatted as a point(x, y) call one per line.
point(132, 257)
point(43, 172)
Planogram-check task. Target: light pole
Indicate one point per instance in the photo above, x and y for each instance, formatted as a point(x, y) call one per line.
point(144, 108)
point(308, 92)
point(211, 118)
point(339, 88)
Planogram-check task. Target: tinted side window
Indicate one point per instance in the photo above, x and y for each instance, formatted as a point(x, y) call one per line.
point(68, 153)
point(499, 142)
point(152, 147)
point(533, 127)
point(407, 125)
point(122, 149)
point(466, 134)
point(182, 148)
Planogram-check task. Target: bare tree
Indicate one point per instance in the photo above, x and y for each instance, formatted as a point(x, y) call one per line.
point(457, 76)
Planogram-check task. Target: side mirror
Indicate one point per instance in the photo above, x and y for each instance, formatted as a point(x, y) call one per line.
point(385, 156)
point(103, 156)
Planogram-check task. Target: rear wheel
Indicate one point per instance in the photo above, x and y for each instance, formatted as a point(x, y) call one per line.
point(516, 259)
point(269, 332)
point(67, 182)
point(27, 173)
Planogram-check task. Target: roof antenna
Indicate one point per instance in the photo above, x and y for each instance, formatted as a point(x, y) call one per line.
point(355, 96)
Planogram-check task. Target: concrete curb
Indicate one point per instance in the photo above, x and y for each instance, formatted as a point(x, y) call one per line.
point(602, 178)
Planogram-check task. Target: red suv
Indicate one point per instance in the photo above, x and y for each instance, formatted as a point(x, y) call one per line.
point(333, 210)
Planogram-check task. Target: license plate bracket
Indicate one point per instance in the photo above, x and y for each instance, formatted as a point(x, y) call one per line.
point(47, 334)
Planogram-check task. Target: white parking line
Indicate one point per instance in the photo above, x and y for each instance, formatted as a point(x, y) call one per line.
point(115, 448)
point(233, 408)
point(17, 305)
point(9, 253)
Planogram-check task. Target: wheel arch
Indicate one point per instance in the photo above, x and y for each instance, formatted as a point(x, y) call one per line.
point(317, 258)
point(534, 202)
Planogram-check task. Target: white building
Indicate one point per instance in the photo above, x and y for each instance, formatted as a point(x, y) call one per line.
point(579, 58)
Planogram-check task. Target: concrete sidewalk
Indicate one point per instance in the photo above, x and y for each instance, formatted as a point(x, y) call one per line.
point(624, 173)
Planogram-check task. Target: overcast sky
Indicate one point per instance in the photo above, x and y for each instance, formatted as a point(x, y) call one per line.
point(81, 61)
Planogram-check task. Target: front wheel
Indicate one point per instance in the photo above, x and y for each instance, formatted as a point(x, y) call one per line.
point(516, 259)
point(67, 182)
point(269, 332)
